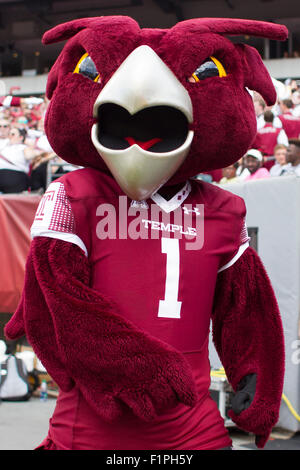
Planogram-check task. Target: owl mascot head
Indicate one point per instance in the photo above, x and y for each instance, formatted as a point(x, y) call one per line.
point(121, 322)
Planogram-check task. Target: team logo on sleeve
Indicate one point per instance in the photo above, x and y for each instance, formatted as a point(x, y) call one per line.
point(54, 212)
point(47, 197)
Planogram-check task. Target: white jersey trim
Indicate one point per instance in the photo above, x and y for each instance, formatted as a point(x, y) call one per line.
point(175, 202)
point(67, 237)
point(241, 250)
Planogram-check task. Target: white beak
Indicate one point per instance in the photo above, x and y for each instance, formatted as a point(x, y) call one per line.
point(142, 81)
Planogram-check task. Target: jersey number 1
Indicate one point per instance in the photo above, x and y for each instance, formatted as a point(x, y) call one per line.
point(170, 307)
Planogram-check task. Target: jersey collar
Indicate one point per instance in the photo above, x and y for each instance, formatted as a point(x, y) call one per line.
point(175, 202)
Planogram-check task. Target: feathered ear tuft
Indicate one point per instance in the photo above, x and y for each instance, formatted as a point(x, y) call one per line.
point(256, 75)
point(235, 27)
point(65, 31)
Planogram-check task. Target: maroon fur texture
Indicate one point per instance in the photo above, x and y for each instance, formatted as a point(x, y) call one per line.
point(80, 338)
point(248, 336)
point(224, 118)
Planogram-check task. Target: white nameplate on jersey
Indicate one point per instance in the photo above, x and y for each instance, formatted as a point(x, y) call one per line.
point(168, 227)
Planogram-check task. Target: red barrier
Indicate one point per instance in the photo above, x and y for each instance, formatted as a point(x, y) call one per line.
point(16, 217)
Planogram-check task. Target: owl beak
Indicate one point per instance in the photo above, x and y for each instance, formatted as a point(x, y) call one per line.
point(143, 124)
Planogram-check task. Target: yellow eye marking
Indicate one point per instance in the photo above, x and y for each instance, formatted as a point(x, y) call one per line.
point(76, 70)
point(195, 77)
point(222, 72)
point(220, 67)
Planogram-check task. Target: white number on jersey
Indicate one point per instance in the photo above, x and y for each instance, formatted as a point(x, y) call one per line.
point(170, 307)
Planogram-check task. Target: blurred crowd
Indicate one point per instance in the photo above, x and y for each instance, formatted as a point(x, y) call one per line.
point(276, 148)
point(28, 163)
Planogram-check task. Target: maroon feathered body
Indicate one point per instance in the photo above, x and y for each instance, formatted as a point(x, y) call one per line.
point(75, 329)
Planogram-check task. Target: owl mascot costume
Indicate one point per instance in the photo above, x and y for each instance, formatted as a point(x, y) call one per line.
point(132, 257)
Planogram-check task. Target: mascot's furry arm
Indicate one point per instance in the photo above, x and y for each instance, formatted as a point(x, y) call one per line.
point(245, 308)
point(117, 363)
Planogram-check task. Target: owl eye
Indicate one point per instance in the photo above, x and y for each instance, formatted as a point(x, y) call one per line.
point(211, 67)
point(85, 66)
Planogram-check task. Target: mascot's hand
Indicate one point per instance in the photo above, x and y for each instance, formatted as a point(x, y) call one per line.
point(245, 394)
point(163, 383)
point(243, 399)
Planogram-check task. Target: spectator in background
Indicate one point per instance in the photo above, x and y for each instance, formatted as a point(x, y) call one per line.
point(291, 86)
point(290, 123)
point(260, 107)
point(253, 161)
point(15, 160)
point(229, 174)
point(296, 102)
point(30, 114)
point(4, 132)
point(293, 157)
point(42, 152)
point(281, 167)
point(215, 175)
point(242, 172)
point(11, 102)
point(8, 101)
point(268, 137)
point(39, 174)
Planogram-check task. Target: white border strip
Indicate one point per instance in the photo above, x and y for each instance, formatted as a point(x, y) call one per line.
point(241, 250)
point(67, 237)
point(174, 202)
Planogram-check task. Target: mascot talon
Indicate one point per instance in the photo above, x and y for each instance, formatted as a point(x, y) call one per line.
point(245, 394)
point(132, 257)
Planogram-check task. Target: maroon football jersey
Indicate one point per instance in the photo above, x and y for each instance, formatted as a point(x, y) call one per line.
point(158, 261)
